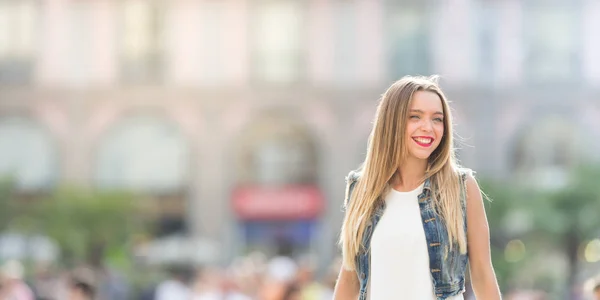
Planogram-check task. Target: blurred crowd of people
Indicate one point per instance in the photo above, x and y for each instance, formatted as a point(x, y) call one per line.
point(47, 283)
point(250, 277)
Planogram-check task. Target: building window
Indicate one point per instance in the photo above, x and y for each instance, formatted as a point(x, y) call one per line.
point(17, 40)
point(144, 154)
point(553, 39)
point(28, 156)
point(485, 24)
point(545, 152)
point(214, 35)
point(148, 156)
point(278, 35)
point(275, 151)
point(345, 42)
point(140, 41)
point(408, 45)
point(80, 52)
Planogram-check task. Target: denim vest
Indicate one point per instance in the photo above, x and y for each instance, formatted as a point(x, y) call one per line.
point(447, 268)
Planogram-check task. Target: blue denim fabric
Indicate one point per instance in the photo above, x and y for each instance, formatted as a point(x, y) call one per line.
point(447, 267)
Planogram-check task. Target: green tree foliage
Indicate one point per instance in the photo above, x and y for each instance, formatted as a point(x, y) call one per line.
point(567, 217)
point(89, 224)
point(561, 218)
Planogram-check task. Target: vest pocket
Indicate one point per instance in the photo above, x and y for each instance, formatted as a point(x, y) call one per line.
point(362, 272)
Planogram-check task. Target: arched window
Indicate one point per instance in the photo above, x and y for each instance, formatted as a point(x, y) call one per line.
point(18, 27)
point(277, 32)
point(140, 40)
point(545, 151)
point(149, 156)
point(277, 151)
point(27, 155)
point(407, 39)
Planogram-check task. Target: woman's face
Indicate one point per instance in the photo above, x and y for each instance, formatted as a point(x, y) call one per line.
point(425, 125)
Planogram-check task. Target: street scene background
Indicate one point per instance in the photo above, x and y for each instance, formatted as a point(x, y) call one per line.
point(197, 149)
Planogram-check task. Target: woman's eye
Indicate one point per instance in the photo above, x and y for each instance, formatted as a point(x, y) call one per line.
point(438, 120)
point(414, 117)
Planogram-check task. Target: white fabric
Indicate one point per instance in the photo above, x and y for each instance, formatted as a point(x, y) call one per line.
point(399, 254)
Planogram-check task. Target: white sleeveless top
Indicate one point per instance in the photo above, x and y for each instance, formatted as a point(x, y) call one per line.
point(399, 254)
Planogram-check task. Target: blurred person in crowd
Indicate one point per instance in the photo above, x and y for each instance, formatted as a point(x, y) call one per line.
point(148, 292)
point(46, 281)
point(111, 284)
point(293, 292)
point(330, 279)
point(244, 276)
point(596, 291)
point(249, 282)
point(310, 288)
point(176, 286)
point(280, 273)
point(208, 285)
point(232, 290)
point(407, 208)
point(256, 268)
point(82, 285)
point(212, 285)
point(153, 276)
point(12, 285)
point(527, 295)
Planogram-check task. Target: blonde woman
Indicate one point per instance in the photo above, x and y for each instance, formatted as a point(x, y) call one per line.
point(413, 217)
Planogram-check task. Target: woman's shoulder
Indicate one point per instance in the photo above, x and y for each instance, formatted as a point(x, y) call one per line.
point(353, 176)
point(464, 172)
point(351, 180)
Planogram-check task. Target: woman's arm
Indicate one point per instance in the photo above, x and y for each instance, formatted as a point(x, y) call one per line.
point(483, 277)
point(347, 286)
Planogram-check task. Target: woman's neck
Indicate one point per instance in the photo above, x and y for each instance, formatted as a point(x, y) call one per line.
point(410, 175)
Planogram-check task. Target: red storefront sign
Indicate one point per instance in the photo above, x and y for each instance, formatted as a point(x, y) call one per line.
point(278, 203)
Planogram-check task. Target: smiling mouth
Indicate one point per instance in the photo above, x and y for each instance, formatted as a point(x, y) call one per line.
point(423, 141)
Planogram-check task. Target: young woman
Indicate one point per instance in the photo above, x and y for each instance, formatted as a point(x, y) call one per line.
point(414, 218)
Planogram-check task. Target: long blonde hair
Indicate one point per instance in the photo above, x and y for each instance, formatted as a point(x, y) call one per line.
point(386, 151)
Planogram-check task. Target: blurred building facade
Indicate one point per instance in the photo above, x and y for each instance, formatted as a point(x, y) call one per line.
point(227, 113)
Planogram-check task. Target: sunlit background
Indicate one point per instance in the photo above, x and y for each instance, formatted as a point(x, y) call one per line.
point(139, 135)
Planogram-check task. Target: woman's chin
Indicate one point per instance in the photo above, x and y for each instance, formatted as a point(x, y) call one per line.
point(421, 156)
